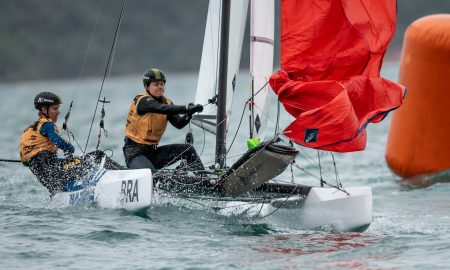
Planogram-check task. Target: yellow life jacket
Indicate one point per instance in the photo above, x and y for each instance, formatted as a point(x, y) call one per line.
point(147, 128)
point(32, 142)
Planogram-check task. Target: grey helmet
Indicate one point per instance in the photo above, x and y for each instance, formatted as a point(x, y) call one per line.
point(152, 75)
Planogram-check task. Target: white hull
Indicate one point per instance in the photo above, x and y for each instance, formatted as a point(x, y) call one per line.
point(115, 189)
point(323, 208)
point(327, 208)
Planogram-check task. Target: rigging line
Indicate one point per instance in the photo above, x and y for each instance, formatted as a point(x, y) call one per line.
point(217, 200)
point(328, 173)
point(320, 169)
point(270, 119)
point(244, 163)
point(338, 180)
point(228, 158)
point(282, 204)
point(278, 118)
point(325, 182)
point(267, 116)
point(70, 133)
point(199, 203)
point(260, 208)
point(252, 202)
point(175, 158)
point(303, 154)
point(204, 136)
point(308, 157)
point(324, 173)
point(89, 46)
point(251, 101)
point(66, 118)
point(313, 162)
point(198, 160)
point(190, 165)
point(316, 178)
point(187, 199)
point(206, 163)
point(228, 149)
point(237, 130)
point(310, 174)
point(260, 89)
point(102, 123)
point(292, 173)
point(310, 160)
point(106, 69)
point(204, 140)
point(249, 204)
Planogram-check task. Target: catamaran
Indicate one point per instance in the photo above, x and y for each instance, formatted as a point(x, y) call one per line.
point(331, 55)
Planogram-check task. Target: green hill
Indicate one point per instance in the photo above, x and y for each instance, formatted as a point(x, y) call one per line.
point(49, 39)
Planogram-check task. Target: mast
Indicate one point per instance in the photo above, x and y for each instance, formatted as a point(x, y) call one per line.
point(222, 84)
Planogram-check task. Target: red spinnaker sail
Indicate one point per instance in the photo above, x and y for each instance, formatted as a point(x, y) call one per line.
point(331, 55)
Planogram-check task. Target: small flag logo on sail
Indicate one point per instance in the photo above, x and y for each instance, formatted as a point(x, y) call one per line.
point(311, 135)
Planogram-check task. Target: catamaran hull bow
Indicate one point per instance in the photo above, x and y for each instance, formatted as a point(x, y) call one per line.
point(326, 208)
point(114, 189)
point(310, 208)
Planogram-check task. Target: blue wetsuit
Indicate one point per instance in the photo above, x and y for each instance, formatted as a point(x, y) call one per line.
point(54, 172)
point(48, 130)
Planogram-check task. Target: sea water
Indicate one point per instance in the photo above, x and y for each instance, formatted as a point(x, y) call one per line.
point(410, 228)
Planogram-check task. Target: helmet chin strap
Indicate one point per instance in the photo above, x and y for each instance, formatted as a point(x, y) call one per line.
point(158, 98)
point(45, 114)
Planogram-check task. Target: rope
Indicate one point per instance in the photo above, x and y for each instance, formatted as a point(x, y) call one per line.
point(237, 130)
point(108, 67)
point(67, 116)
point(249, 101)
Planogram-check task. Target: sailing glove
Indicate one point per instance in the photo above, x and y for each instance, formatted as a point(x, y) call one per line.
point(194, 108)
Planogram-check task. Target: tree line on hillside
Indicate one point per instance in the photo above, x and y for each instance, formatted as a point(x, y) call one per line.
point(53, 38)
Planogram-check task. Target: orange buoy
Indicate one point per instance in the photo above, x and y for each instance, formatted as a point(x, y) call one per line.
point(419, 133)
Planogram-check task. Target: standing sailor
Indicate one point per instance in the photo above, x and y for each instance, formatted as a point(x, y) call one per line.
point(147, 120)
point(39, 146)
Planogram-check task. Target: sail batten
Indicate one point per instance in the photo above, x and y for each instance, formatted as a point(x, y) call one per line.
point(262, 40)
point(330, 78)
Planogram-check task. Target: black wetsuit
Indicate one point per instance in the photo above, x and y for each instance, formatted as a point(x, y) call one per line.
point(155, 157)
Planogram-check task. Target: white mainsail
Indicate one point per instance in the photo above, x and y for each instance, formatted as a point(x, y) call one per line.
point(209, 66)
point(261, 60)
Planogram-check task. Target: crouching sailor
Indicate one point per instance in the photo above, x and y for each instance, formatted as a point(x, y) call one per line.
point(39, 145)
point(147, 120)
